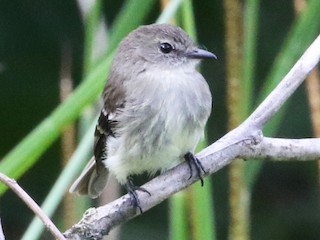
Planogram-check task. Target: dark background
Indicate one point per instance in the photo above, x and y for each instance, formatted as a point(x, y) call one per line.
point(285, 200)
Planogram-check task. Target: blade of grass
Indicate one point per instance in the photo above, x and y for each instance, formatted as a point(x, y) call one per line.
point(251, 19)
point(201, 207)
point(92, 21)
point(169, 11)
point(203, 218)
point(124, 21)
point(187, 18)
point(178, 216)
point(26, 153)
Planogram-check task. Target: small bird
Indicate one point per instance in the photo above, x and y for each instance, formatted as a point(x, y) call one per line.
point(156, 105)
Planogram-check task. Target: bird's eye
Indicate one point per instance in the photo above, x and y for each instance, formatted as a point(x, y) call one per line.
point(166, 47)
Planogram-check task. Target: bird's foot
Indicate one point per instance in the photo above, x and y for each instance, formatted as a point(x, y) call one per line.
point(192, 159)
point(131, 188)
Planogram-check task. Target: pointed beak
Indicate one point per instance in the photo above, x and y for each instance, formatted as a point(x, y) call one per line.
point(200, 54)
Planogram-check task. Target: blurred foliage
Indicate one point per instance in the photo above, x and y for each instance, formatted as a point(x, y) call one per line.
point(285, 197)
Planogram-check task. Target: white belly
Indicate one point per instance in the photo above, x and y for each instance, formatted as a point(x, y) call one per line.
point(134, 159)
point(158, 130)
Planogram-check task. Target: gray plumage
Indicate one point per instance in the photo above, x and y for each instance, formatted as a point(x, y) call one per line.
point(156, 105)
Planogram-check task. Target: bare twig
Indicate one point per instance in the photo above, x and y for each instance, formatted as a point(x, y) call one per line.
point(1, 232)
point(97, 222)
point(14, 186)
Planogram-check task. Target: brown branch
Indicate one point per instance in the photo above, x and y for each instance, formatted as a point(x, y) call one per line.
point(14, 186)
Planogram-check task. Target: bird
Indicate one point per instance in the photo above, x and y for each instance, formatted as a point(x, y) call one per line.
point(155, 108)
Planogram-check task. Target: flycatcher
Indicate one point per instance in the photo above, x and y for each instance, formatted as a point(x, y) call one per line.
point(156, 105)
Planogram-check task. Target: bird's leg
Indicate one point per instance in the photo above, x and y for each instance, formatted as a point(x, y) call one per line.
point(191, 159)
point(131, 188)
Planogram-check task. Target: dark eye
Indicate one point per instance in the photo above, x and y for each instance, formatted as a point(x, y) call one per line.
point(166, 47)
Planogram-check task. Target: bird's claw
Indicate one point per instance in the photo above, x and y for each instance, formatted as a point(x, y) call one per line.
point(192, 159)
point(131, 188)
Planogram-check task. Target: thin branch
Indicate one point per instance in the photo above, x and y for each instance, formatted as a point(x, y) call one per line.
point(97, 222)
point(14, 186)
point(2, 237)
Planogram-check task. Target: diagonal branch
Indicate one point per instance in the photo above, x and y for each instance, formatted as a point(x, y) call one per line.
point(11, 183)
point(2, 237)
point(246, 141)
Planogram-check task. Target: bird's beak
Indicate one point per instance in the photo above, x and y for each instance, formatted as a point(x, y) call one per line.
point(200, 53)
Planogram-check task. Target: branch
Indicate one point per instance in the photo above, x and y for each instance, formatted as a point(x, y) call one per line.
point(2, 237)
point(279, 149)
point(14, 186)
point(245, 141)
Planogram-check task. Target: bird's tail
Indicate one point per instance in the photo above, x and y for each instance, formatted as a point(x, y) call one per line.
point(90, 182)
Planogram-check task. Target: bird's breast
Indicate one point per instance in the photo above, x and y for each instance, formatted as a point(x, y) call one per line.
point(164, 118)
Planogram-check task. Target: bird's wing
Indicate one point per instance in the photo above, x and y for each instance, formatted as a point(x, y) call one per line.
point(114, 100)
point(93, 178)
